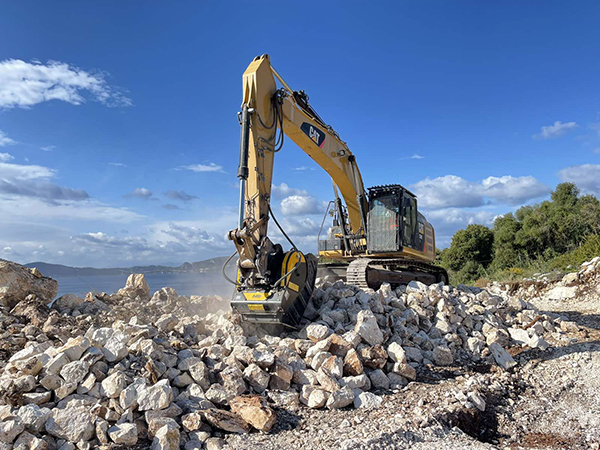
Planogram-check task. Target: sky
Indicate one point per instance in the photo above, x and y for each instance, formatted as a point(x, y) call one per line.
point(119, 139)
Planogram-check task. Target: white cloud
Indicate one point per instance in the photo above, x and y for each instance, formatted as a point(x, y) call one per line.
point(24, 84)
point(17, 180)
point(300, 226)
point(174, 241)
point(453, 191)
point(192, 236)
point(301, 204)
point(210, 167)
point(5, 140)
point(447, 191)
point(585, 176)
point(414, 156)
point(553, 131)
point(41, 190)
point(117, 164)
point(24, 172)
point(513, 190)
point(283, 190)
point(48, 148)
point(448, 221)
point(5, 157)
point(180, 195)
point(303, 231)
point(303, 168)
point(143, 193)
point(25, 208)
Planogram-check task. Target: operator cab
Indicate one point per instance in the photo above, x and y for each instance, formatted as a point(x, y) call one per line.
point(393, 224)
point(393, 221)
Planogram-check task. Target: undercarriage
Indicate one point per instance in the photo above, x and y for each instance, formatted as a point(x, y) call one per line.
point(372, 272)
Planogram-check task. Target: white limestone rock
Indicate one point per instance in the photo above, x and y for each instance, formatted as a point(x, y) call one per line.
point(257, 378)
point(33, 417)
point(396, 352)
point(27, 441)
point(74, 348)
point(10, 429)
point(17, 282)
point(158, 396)
point(340, 398)
point(136, 286)
point(166, 438)
point(73, 423)
point(113, 385)
point(124, 434)
point(367, 400)
point(367, 328)
point(317, 398)
point(502, 357)
point(316, 332)
point(115, 348)
point(75, 372)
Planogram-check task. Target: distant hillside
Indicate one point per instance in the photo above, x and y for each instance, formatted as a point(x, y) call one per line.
point(58, 270)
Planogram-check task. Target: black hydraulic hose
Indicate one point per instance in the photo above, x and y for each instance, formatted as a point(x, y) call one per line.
point(294, 248)
point(225, 266)
point(244, 144)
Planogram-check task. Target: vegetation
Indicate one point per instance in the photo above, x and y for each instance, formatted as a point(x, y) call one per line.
point(555, 234)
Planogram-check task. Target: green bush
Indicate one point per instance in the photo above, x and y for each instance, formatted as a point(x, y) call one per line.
point(554, 234)
point(589, 249)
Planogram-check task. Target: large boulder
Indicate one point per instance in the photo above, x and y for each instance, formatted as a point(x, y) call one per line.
point(73, 423)
point(136, 286)
point(254, 410)
point(67, 302)
point(17, 282)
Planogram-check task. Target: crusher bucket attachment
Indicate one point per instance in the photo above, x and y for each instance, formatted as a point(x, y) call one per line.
point(285, 302)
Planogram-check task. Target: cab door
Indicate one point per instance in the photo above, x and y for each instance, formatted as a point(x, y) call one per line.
point(409, 221)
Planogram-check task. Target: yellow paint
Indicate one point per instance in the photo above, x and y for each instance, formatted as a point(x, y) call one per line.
point(256, 307)
point(289, 262)
point(293, 286)
point(255, 296)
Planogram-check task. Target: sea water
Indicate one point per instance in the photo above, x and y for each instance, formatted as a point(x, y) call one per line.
point(207, 283)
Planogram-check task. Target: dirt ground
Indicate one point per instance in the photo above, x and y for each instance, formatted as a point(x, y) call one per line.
point(551, 400)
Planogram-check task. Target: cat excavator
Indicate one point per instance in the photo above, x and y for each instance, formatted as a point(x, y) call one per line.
point(378, 234)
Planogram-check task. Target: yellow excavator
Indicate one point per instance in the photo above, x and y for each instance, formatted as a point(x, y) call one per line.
point(378, 235)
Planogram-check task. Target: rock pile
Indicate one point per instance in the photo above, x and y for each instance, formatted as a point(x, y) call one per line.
point(160, 370)
point(583, 285)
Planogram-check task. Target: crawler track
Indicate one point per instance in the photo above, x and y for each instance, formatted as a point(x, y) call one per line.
point(393, 271)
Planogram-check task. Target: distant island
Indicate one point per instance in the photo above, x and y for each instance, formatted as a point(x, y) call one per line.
point(58, 270)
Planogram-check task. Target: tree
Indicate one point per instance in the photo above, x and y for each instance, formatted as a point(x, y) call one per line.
point(506, 249)
point(547, 229)
point(473, 244)
point(565, 195)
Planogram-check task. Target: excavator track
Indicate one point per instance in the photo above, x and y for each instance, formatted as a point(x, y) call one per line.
point(356, 273)
point(371, 273)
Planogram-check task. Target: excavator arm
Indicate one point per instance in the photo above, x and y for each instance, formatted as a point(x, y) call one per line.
point(265, 272)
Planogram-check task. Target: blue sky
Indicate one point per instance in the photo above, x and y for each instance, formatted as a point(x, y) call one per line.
point(119, 138)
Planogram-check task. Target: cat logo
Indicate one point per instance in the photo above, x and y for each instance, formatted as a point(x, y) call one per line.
point(316, 135)
point(312, 133)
